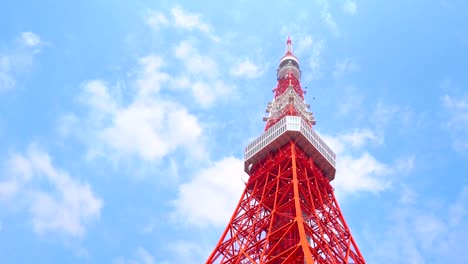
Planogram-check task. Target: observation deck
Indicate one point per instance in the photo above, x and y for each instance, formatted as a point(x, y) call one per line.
point(287, 129)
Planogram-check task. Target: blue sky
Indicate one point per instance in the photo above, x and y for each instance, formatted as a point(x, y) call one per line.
point(122, 125)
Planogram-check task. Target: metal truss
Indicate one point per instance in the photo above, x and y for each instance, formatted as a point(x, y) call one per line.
point(287, 214)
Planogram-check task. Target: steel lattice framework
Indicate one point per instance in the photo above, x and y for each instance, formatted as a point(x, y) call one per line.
point(288, 212)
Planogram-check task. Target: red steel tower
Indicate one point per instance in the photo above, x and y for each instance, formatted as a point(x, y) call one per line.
point(288, 212)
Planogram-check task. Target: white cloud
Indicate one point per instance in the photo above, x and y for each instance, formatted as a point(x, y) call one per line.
point(407, 196)
point(145, 257)
point(150, 75)
point(351, 102)
point(4, 63)
point(459, 106)
point(303, 44)
point(194, 62)
point(8, 189)
point(144, 125)
point(66, 206)
point(183, 49)
point(149, 123)
point(457, 109)
point(156, 19)
point(404, 165)
point(458, 212)
point(361, 173)
point(181, 19)
point(187, 20)
point(18, 59)
point(97, 96)
point(421, 232)
point(398, 116)
point(350, 7)
point(151, 129)
point(142, 256)
point(345, 66)
point(66, 123)
point(147, 127)
point(6, 80)
point(206, 93)
point(383, 114)
point(246, 69)
point(189, 252)
point(191, 21)
point(315, 61)
point(210, 197)
point(201, 75)
point(197, 71)
point(359, 138)
point(357, 170)
point(30, 39)
point(311, 48)
point(327, 16)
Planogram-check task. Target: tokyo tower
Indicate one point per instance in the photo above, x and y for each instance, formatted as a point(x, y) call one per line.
point(288, 212)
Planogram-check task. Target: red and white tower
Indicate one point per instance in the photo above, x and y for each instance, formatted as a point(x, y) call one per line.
point(288, 212)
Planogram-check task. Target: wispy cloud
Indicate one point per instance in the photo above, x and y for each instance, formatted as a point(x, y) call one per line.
point(457, 110)
point(223, 180)
point(345, 66)
point(190, 21)
point(189, 252)
point(360, 138)
point(312, 47)
point(350, 7)
point(30, 39)
point(6, 78)
point(148, 126)
point(201, 75)
point(329, 20)
point(358, 170)
point(351, 103)
point(327, 17)
point(156, 20)
point(194, 62)
point(315, 58)
point(246, 68)
point(67, 206)
point(154, 121)
point(181, 19)
point(303, 44)
point(422, 231)
point(18, 59)
point(142, 256)
point(384, 115)
point(309, 49)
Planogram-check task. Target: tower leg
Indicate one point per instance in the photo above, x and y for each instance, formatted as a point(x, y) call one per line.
point(287, 214)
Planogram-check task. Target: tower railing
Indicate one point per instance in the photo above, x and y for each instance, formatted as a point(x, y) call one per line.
point(273, 139)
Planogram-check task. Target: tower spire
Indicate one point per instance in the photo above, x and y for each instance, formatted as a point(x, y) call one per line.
point(289, 96)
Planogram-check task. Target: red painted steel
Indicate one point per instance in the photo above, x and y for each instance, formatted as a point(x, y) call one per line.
point(288, 212)
point(283, 83)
